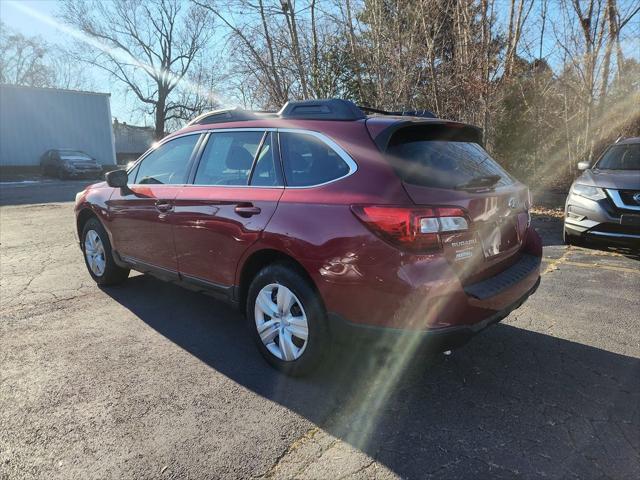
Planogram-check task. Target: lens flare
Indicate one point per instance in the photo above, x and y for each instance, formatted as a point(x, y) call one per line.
point(121, 55)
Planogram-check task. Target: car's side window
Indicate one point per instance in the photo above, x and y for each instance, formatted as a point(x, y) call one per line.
point(266, 172)
point(227, 158)
point(309, 161)
point(169, 163)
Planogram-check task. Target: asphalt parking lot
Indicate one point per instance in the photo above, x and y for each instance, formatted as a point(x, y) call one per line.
point(147, 380)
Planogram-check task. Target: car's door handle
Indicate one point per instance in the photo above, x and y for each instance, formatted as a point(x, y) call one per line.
point(247, 210)
point(163, 206)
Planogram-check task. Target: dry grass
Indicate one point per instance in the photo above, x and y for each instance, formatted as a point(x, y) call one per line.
point(549, 213)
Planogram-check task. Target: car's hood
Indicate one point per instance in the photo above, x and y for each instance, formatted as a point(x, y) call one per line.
point(76, 159)
point(618, 179)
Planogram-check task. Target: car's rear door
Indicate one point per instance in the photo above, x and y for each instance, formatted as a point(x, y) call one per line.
point(235, 190)
point(141, 215)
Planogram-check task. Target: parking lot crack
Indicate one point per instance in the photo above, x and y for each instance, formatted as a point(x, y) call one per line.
point(308, 435)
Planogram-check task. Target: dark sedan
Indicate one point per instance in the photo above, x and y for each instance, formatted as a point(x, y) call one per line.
point(67, 163)
point(603, 204)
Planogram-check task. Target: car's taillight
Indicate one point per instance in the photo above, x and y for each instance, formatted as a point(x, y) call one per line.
point(415, 229)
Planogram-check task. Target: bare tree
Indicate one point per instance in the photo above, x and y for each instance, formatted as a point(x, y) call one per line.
point(33, 62)
point(283, 49)
point(149, 46)
point(253, 41)
point(518, 14)
point(187, 103)
point(23, 60)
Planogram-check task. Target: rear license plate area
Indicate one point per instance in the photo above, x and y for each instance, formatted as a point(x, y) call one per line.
point(499, 237)
point(460, 246)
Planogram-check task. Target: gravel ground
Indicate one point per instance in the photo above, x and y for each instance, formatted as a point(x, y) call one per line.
point(147, 380)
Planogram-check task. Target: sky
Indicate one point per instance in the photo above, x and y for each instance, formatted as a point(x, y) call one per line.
point(38, 17)
point(13, 13)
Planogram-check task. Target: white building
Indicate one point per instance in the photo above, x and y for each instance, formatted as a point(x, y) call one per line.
point(34, 120)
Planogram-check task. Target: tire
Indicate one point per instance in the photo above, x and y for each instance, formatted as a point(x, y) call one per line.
point(305, 307)
point(110, 273)
point(62, 175)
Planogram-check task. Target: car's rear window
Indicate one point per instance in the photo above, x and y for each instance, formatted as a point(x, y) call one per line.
point(440, 158)
point(621, 157)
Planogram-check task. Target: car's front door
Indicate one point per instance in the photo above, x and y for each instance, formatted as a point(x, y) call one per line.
point(140, 216)
point(235, 191)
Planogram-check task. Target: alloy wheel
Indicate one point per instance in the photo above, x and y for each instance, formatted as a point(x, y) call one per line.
point(281, 322)
point(94, 252)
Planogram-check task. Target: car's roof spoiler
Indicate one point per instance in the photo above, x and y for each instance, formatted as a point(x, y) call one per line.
point(456, 131)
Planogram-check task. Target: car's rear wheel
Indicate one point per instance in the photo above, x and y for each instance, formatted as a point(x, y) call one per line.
point(98, 255)
point(287, 319)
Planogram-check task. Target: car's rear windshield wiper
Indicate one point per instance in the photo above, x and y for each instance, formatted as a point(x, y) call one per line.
point(477, 183)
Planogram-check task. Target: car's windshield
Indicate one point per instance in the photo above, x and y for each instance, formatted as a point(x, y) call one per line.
point(621, 157)
point(424, 159)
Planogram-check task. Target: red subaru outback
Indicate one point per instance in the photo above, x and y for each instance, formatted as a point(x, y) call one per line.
point(322, 221)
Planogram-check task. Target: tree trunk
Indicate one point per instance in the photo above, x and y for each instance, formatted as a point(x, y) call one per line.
point(160, 113)
point(354, 57)
point(295, 44)
point(611, 15)
point(485, 69)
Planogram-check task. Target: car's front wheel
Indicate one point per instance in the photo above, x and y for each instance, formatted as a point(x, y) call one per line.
point(287, 319)
point(571, 239)
point(98, 255)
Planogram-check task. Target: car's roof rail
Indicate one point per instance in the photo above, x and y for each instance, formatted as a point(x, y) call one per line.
point(327, 109)
point(228, 115)
point(404, 113)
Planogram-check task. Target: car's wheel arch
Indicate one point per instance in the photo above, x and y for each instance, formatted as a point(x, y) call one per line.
point(261, 258)
point(83, 216)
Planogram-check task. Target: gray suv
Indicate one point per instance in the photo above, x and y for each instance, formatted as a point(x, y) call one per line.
point(603, 204)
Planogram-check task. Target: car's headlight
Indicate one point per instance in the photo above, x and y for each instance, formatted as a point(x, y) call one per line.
point(587, 191)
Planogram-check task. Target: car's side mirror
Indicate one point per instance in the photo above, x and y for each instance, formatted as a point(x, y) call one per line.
point(583, 165)
point(117, 178)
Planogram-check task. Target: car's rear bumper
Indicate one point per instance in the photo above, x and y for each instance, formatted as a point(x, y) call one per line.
point(418, 296)
point(435, 340)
